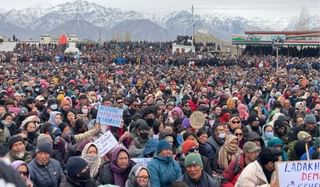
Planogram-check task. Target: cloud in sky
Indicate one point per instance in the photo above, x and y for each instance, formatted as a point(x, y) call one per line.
point(244, 8)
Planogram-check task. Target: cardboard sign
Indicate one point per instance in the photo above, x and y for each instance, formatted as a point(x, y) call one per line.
point(109, 116)
point(299, 173)
point(197, 119)
point(142, 161)
point(105, 143)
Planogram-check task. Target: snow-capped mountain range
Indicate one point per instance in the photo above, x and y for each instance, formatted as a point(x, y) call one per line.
point(92, 21)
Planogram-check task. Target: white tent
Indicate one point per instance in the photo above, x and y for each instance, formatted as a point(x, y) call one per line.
point(72, 49)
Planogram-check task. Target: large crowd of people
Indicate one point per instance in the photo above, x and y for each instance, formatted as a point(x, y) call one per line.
point(258, 110)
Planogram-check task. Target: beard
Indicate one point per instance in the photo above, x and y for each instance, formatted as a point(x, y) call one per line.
point(20, 155)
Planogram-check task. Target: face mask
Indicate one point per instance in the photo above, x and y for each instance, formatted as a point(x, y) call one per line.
point(144, 135)
point(269, 135)
point(222, 135)
point(54, 106)
point(84, 111)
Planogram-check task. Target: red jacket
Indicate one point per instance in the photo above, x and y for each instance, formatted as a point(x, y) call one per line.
point(233, 171)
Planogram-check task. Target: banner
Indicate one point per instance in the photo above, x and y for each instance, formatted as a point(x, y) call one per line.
point(109, 116)
point(142, 161)
point(299, 173)
point(105, 143)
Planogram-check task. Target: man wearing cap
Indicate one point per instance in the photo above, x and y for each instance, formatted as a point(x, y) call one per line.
point(253, 125)
point(310, 126)
point(17, 150)
point(194, 175)
point(44, 170)
point(232, 172)
point(188, 147)
point(260, 172)
point(163, 169)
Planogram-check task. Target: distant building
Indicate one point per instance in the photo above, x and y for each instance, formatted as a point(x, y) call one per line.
point(4, 38)
point(45, 39)
point(182, 48)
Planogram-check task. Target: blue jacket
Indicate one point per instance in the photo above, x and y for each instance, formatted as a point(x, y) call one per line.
point(163, 171)
point(50, 175)
point(311, 151)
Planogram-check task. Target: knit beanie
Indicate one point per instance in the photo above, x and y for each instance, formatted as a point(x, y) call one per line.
point(316, 143)
point(44, 147)
point(163, 144)
point(188, 145)
point(303, 136)
point(14, 139)
point(310, 118)
point(193, 158)
point(44, 138)
point(75, 165)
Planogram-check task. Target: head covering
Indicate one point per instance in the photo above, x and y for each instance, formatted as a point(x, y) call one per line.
point(252, 118)
point(44, 138)
point(53, 115)
point(44, 147)
point(14, 139)
point(303, 135)
point(188, 145)
point(228, 151)
point(75, 165)
point(274, 142)
point(30, 119)
point(132, 182)
point(316, 143)
point(269, 154)
point(163, 144)
point(193, 158)
point(177, 110)
point(186, 123)
point(250, 147)
point(93, 161)
point(310, 118)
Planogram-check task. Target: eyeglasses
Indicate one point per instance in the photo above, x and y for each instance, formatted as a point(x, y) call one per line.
point(235, 121)
point(24, 173)
point(238, 134)
point(143, 177)
point(120, 102)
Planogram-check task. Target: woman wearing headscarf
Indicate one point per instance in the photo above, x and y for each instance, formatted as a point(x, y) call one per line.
point(138, 177)
point(90, 153)
point(117, 171)
point(228, 151)
point(23, 170)
point(277, 143)
point(55, 118)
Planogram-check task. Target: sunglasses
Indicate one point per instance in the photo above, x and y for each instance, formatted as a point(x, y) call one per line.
point(120, 102)
point(24, 173)
point(235, 121)
point(238, 134)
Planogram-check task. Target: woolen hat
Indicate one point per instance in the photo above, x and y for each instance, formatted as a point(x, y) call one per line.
point(44, 147)
point(310, 118)
point(193, 159)
point(14, 139)
point(75, 165)
point(188, 145)
point(163, 144)
point(250, 147)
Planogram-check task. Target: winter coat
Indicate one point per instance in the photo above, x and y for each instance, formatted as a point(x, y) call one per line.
point(50, 175)
point(206, 165)
point(252, 176)
point(163, 171)
point(11, 158)
point(205, 180)
point(233, 171)
point(131, 182)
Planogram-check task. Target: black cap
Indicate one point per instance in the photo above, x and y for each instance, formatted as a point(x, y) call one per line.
point(269, 154)
point(14, 139)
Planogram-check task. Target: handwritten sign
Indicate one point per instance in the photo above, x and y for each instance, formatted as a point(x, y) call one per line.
point(142, 161)
point(197, 119)
point(299, 173)
point(105, 143)
point(110, 116)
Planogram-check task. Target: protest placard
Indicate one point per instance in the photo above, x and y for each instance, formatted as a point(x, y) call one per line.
point(105, 143)
point(299, 173)
point(141, 161)
point(109, 116)
point(197, 119)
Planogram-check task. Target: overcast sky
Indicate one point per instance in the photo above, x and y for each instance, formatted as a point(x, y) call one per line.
point(244, 8)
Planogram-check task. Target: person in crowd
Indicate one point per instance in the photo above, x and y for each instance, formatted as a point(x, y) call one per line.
point(23, 170)
point(78, 173)
point(234, 123)
point(309, 126)
point(163, 169)
point(195, 175)
point(90, 154)
point(10, 177)
point(216, 141)
point(277, 143)
point(44, 170)
point(31, 126)
point(282, 129)
point(117, 171)
point(7, 127)
point(204, 147)
point(190, 146)
point(254, 137)
point(17, 150)
point(232, 172)
point(227, 152)
point(238, 132)
point(295, 151)
point(139, 176)
point(138, 143)
point(313, 151)
point(253, 125)
point(261, 171)
point(267, 133)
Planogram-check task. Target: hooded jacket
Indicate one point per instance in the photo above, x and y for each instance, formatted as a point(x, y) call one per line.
point(131, 182)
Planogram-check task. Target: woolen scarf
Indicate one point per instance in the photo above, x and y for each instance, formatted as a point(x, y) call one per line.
point(120, 175)
point(94, 162)
point(227, 152)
